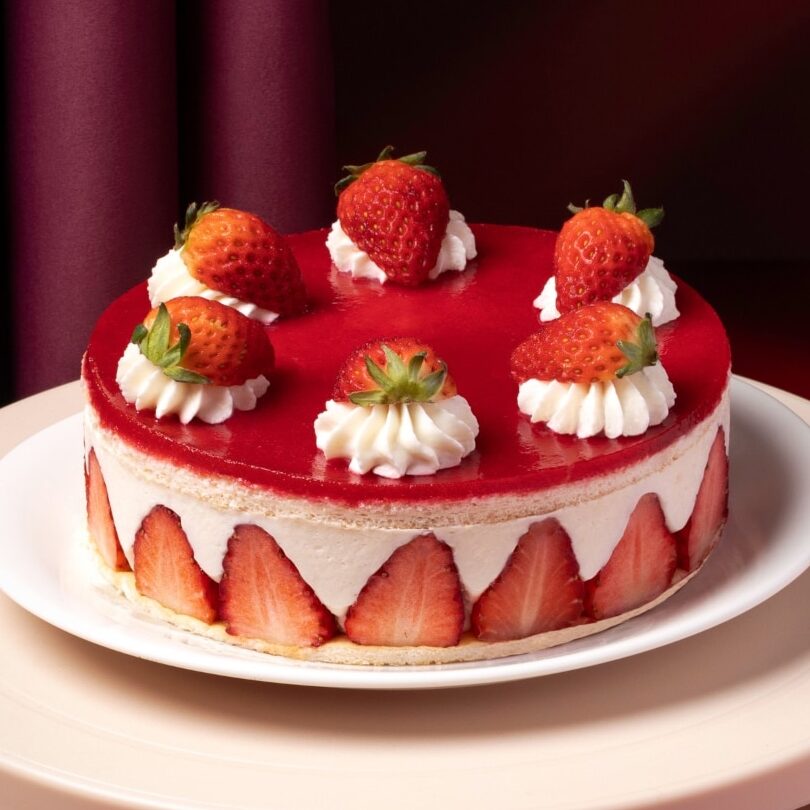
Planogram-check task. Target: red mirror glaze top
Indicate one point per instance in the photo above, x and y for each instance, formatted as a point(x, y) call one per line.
point(473, 319)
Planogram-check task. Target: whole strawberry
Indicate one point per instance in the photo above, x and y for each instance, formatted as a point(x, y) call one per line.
point(385, 372)
point(396, 211)
point(239, 254)
point(595, 343)
point(195, 340)
point(600, 250)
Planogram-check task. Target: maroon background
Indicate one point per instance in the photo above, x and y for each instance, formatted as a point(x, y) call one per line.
point(122, 112)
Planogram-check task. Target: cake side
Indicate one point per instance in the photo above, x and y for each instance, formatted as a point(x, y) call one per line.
point(336, 550)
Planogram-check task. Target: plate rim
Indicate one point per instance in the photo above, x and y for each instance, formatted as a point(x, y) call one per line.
point(108, 633)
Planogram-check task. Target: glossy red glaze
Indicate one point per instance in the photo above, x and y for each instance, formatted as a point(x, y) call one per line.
point(474, 319)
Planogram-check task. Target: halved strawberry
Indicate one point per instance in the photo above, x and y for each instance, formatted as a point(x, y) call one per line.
point(702, 530)
point(263, 596)
point(414, 599)
point(641, 566)
point(166, 570)
point(99, 516)
point(538, 590)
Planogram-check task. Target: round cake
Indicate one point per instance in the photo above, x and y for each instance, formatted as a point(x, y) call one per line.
point(534, 538)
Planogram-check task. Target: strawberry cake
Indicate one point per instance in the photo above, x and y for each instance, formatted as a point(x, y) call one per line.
point(365, 445)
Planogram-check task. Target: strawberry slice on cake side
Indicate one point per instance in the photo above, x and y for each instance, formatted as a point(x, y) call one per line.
point(166, 571)
point(100, 524)
point(703, 529)
point(539, 589)
point(413, 600)
point(641, 567)
point(263, 596)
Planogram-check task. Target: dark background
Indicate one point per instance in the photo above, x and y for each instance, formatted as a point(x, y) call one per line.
point(122, 112)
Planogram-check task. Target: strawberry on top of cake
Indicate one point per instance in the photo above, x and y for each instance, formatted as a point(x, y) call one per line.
point(233, 257)
point(395, 411)
point(195, 358)
point(604, 253)
point(395, 224)
point(594, 369)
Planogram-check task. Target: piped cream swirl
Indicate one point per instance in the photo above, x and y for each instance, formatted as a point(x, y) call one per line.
point(620, 407)
point(144, 384)
point(170, 279)
point(414, 438)
point(652, 291)
point(458, 247)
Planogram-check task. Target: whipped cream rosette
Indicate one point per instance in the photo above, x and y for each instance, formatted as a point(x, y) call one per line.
point(594, 370)
point(604, 253)
point(395, 224)
point(232, 257)
point(395, 411)
point(195, 358)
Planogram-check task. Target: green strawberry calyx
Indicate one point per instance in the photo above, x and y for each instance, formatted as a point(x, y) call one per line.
point(154, 346)
point(642, 353)
point(416, 160)
point(399, 382)
point(625, 203)
point(194, 213)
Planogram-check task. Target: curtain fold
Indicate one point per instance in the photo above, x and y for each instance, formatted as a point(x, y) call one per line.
point(122, 112)
point(93, 175)
point(256, 108)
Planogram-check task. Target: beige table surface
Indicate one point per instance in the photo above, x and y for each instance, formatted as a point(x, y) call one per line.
point(727, 726)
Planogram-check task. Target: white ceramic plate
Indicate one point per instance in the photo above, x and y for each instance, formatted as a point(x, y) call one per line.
point(44, 568)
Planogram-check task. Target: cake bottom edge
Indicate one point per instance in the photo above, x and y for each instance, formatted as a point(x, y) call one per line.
point(342, 651)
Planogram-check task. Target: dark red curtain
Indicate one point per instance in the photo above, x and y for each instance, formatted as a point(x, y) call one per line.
point(122, 111)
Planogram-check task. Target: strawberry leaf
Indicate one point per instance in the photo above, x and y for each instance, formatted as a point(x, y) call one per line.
point(415, 364)
point(399, 382)
point(416, 159)
point(575, 209)
point(610, 202)
point(194, 213)
point(354, 171)
point(184, 375)
point(154, 346)
point(138, 334)
point(626, 204)
point(157, 339)
point(185, 337)
point(369, 398)
point(651, 216)
point(376, 373)
point(433, 382)
point(640, 354)
point(394, 367)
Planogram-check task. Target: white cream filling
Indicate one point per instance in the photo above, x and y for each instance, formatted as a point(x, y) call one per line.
point(620, 407)
point(414, 438)
point(337, 560)
point(652, 291)
point(458, 247)
point(170, 279)
point(144, 385)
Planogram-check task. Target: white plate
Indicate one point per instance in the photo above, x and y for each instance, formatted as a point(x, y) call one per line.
point(45, 570)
